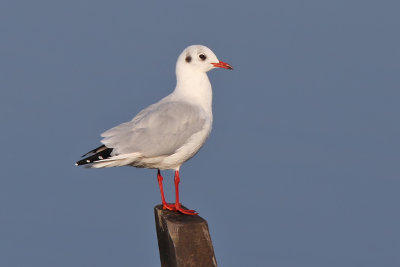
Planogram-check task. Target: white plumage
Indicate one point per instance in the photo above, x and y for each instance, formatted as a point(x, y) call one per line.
point(169, 132)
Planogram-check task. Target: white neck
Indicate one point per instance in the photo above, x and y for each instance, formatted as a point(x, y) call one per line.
point(194, 86)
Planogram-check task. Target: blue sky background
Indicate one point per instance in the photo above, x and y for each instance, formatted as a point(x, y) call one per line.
point(302, 166)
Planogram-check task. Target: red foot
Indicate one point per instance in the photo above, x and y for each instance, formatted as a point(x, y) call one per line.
point(187, 212)
point(173, 207)
point(167, 206)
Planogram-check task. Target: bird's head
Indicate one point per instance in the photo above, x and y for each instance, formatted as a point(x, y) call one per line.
point(200, 58)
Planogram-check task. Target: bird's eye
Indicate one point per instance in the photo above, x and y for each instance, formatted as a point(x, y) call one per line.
point(202, 57)
point(188, 59)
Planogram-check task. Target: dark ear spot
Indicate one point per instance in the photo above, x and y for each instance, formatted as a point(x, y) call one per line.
point(188, 59)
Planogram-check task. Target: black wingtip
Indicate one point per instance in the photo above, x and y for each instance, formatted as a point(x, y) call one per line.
point(100, 153)
point(95, 151)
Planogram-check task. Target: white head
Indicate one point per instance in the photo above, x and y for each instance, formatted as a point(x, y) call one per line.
point(199, 58)
point(191, 74)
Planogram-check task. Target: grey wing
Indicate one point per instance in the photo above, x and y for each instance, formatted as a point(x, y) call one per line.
point(159, 130)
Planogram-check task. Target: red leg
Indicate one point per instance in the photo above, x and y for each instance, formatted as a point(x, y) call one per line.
point(164, 203)
point(177, 204)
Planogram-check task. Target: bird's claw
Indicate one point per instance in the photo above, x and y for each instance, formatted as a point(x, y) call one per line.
point(187, 212)
point(178, 208)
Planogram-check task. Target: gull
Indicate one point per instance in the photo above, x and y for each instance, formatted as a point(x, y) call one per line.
point(165, 134)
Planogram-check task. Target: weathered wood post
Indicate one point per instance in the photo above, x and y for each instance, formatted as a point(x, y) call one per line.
point(183, 240)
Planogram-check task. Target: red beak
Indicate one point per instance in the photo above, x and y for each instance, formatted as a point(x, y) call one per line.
point(222, 65)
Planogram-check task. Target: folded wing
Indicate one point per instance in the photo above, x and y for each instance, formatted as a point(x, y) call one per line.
point(159, 130)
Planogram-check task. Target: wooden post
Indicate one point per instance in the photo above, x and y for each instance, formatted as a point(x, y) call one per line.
point(183, 240)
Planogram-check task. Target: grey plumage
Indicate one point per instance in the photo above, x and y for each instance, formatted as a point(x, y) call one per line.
point(158, 130)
